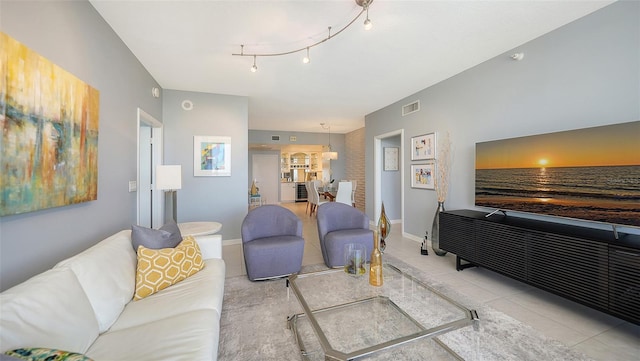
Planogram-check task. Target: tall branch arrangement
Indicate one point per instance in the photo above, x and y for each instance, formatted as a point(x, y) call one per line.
point(443, 163)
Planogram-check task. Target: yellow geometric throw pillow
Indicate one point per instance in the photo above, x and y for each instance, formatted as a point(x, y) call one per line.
point(160, 268)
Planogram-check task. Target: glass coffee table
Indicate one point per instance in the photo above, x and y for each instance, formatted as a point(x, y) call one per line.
point(345, 318)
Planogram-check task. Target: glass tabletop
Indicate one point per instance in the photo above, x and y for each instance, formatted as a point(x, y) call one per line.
point(352, 319)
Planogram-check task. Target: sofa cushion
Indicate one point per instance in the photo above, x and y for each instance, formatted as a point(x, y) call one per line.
point(203, 290)
point(168, 236)
point(107, 274)
point(48, 310)
point(160, 268)
point(186, 337)
point(46, 354)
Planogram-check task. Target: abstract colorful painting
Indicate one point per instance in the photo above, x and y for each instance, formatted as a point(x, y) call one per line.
point(49, 143)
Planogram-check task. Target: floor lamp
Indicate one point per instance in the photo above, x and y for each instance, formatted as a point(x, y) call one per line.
point(169, 180)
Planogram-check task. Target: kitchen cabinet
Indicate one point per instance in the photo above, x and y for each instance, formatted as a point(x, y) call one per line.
point(287, 192)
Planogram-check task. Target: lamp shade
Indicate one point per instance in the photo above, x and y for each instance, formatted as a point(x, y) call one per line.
point(330, 155)
point(168, 177)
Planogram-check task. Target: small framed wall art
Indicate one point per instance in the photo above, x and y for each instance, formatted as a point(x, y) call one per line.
point(391, 158)
point(423, 147)
point(211, 156)
point(423, 176)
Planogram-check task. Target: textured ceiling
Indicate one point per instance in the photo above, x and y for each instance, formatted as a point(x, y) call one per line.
point(187, 45)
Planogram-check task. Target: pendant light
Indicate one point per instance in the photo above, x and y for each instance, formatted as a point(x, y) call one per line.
point(329, 154)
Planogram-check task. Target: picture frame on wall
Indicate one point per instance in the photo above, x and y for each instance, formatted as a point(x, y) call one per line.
point(423, 147)
point(423, 176)
point(211, 156)
point(391, 158)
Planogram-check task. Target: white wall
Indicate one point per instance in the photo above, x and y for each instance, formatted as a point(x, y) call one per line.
point(584, 74)
point(73, 36)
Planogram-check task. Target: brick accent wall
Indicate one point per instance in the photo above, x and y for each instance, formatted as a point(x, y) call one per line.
point(355, 150)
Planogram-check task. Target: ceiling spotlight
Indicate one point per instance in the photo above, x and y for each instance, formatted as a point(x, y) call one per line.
point(517, 56)
point(254, 68)
point(367, 23)
point(306, 59)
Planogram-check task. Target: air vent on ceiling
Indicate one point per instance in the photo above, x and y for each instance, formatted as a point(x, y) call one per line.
point(411, 108)
point(275, 137)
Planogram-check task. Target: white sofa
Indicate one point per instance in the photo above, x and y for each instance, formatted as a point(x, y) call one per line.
point(84, 305)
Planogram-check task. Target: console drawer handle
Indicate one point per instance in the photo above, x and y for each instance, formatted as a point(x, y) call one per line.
point(627, 253)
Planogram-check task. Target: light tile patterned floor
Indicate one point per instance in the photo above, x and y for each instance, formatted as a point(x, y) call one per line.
point(598, 335)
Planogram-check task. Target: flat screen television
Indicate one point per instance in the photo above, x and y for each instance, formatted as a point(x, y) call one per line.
point(589, 174)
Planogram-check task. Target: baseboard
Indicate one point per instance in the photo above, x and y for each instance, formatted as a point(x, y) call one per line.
point(231, 242)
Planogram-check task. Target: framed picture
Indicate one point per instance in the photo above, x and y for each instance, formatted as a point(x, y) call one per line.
point(423, 147)
point(49, 138)
point(211, 156)
point(391, 158)
point(423, 176)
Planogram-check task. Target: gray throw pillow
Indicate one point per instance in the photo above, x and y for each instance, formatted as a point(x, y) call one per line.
point(168, 236)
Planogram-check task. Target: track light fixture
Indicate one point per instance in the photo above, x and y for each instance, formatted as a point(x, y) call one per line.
point(367, 25)
point(365, 5)
point(254, 68)
point(306, 59)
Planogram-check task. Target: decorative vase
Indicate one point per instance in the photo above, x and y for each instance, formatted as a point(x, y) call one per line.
point(355, 257)
point(384, 226)
point(435, 231)
point(254, 189)
point(375, 268)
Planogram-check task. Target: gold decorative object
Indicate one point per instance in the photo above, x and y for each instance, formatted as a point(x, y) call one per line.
point(375, 270)
point(254, 189)
point(384, 226)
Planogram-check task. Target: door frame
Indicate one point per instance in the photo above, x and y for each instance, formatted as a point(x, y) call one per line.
point(157, 211)
point(377, 173)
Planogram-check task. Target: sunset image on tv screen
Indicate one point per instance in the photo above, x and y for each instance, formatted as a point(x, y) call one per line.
point(591, 174)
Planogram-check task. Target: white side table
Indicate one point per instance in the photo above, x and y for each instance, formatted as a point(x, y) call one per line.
point(205, 234)
point(199, 228)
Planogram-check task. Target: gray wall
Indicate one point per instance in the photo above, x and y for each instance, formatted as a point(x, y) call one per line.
point(391, 183)
point(338, 166)
point(584, 74)
point(220, 199)
point(73, 36)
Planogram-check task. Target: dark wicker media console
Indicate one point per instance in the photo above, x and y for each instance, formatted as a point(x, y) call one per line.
point(585, 265)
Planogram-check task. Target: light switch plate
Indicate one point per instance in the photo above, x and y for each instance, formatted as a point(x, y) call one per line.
point(133, 186)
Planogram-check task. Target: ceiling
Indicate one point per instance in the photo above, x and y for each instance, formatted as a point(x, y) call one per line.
point(187, 45)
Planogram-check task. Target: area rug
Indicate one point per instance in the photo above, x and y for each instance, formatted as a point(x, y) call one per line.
point(253, 326)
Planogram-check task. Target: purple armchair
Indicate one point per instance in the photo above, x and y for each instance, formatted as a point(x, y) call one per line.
point(339, 224)
point(272, 242)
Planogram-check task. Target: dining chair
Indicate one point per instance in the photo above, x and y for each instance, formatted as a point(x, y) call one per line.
point(316, 197)
point(354, 184)
point(344, 193)
point(307, 186)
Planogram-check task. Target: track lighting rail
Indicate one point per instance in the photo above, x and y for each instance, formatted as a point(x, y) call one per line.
point(365, 8)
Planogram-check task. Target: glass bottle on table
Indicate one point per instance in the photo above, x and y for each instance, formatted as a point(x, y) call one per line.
point(375, 269)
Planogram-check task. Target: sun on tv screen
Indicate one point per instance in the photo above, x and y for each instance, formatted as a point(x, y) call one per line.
point(591, 174)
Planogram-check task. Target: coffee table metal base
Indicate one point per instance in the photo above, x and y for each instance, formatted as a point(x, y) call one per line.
point(429, 348)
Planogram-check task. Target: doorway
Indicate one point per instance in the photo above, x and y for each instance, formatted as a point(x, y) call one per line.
point(380, 142)
point(149, 201)
point(265, 171)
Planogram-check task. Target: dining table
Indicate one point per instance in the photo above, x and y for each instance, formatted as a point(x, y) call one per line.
point(330, 195)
